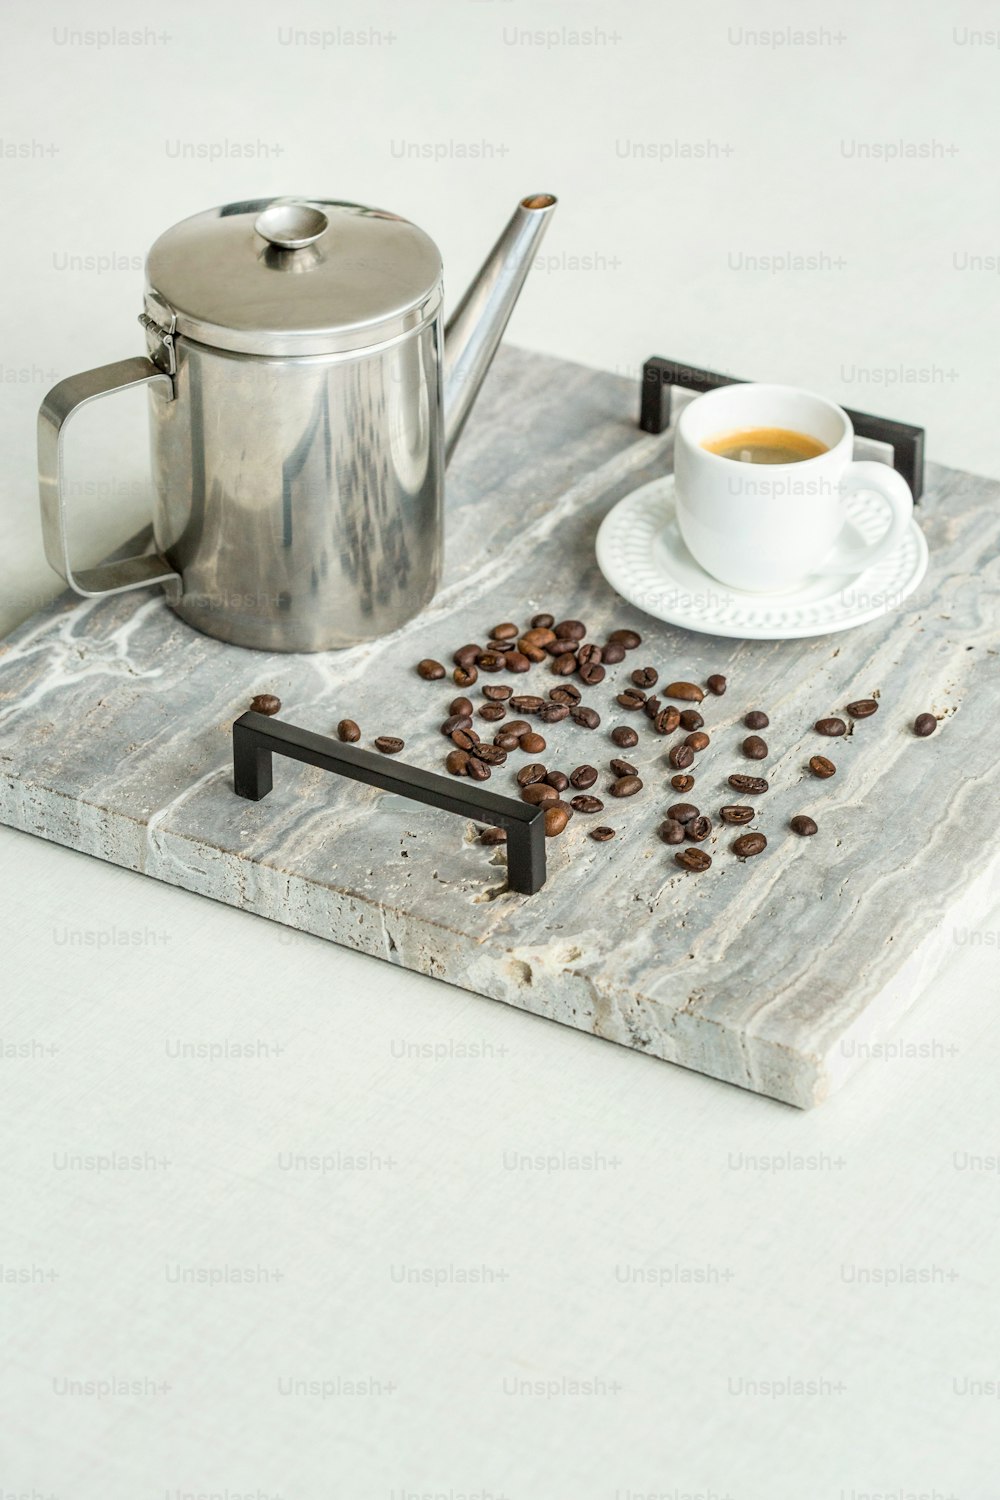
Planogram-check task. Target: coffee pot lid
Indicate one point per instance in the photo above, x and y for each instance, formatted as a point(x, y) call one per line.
point(293, 276)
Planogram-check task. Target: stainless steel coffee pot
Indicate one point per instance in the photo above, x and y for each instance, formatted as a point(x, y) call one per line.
point(303, 404)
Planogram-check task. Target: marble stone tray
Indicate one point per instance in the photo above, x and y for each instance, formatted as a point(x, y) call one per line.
point(115, 740)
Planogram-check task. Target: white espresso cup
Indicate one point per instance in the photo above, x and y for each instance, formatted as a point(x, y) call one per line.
point(766, 528)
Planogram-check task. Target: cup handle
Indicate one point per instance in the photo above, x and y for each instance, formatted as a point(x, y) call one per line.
point(893, 488)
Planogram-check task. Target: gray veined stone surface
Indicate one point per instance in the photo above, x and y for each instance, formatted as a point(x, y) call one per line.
point(776, 974)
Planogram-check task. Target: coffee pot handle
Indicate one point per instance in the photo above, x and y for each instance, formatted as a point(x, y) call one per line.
point(57, 408)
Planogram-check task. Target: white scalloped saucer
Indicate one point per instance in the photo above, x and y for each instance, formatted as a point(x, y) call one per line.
point(642, 555)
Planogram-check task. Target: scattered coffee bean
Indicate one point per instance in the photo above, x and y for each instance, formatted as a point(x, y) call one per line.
point(585, 804)
point(430, 670)
point(461, 706)
point(505, 741)
point(645, 677)
point(751, 784)
point(625, 786)
point(348, 731)
point(923, 725)
point(802, 824)
point(698, 829)
point(687, 692)
point(491, 836)
point(695, 860)
point(681, 756)
point(563, 665)
point(491, 712)
point(716, 684)
point(558, 779)
point(583, 777)
point(589, 653)
point(830, 727)
point(627, 638)
point(527, 705)
point(862, 708)
point(497, 692)
point(682, 782)
point(652, 706)
point(754, 747)
point(559, 646)
point(749, 844)
point(614, 652)
point(477, 769)
point(491, 754)
point(456, 762)
point(672, 832)
point(464, 676)
point(592, 673)
point(734, 813)
point(538, 792)
point(602, 835)
point(683, 812)
point(517, 727)
point(265, 703)
point(623, 767)
point(632, 699)
point(490, 661)
point(388, 744)
point(542, 622)
point(556, 819)
point(698, 741)
point(624, 737)
point(587, 718)
point(465, 739)
point(535, 772)
point(456, 721)
point(690, 718)
point(531, 653)
point(756, 719)
point(532, 744)
point(466, 655)
point(566, 692)
point(504, 632)
point(517, 661)
point(666, 720)
point(821, 767)
point(573, 630)
point(538, 635)
point(553, 713)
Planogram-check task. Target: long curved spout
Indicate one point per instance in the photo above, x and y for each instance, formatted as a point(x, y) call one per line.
point(476, 327)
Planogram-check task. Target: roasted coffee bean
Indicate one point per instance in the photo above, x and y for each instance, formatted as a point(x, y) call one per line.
point(749, 844)
point(751, 784)
point(672, 832)
point(683, 812)
point(553, 713)
point(517, 727)
point(556, 819)
point(477, 769)
point(348, 731)
point(583, 777)
point(537, 636)
point(532, 744)
point(645, 677)
point(531, 653)
point(687, 692)
point(465, 739)
point(923, 725)
point(682, 782)
point(267, 703)
point(698, 829)
point(456, 762)
point(623, 768)
point(695, 860)
point(698, 741)
point(566, 692)
point(491, 754)
point(491, 836)
point(627, 638)
point(430, 670)
point(504, 632)
point(456, 721)
point(492, 712)
point(830, 727)
point(625, 786)
point(497, 692)
point(506, 741)
point(632, 699)
point(602, 835)
point(564, 665)
point(862, 708)
point(803, 825)
point(527, 705)
point(542, 622)
point(464, 676)
point(821, 767)
point(535, 772)
point(756, 719)
point(466, 655)
point(561, 646)
point(388, 744)
point(690, 718)
point(652, 706)
point(587, 718)
point(570, 630)
point(461, 706)
point(716, 684)
point(734, 813)
point(754, 747)
point(516, 661)
point(590, 653)
point(537, 792)
point(624, 737)
point(558, 779)
point(680, 757)
point(667, 720)
point(592, 673)
point(490, 661)
point(614, 652)
point(584, 804)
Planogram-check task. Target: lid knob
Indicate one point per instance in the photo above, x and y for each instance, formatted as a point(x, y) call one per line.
point(291, 225)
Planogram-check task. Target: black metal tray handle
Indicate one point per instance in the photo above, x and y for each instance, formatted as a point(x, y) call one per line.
point(257, 738)
point(660, 375)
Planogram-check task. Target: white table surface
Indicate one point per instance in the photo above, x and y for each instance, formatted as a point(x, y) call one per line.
point(557, 1268)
